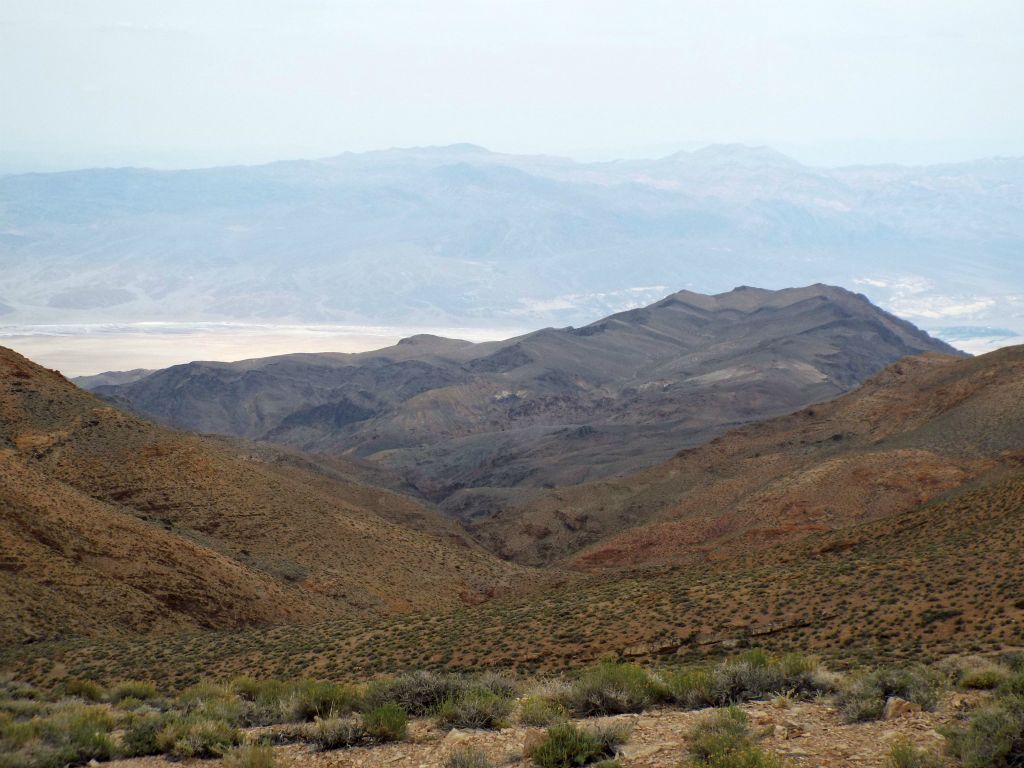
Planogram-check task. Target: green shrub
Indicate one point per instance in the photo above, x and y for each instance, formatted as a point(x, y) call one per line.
point(85, 730)
point(540, 712)
point(691, 687)
point(994, 736)
point(15, 734)
point(250, 756)
point(903, 754)
point(417, 693)
point(387, 722)
point(864, 697)
point(754, 674)
point(266, 702)
point(212, 702)
point(311, 699)
point(74, 733)
point(611, 688)
point(497, 684)
point(16, 690)
point(977, 673)
point(727, 730)
point(336, 733)
point(984, 678)
point(133, 689)
point(749, 757)
point(723, 740)
point(84, 689)
point(204, 691)
point(197, 736)
point(744, 679)
point(1012, 659)
point(21, 709)
point(567, 745)
point(1013, 685)
point(795, 665)
point(755, 657)
point(467, 757)
point(141, 730)
point(250, 689)
point(475, 708)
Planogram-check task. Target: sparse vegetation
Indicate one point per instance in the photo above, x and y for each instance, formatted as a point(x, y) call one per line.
point(474, 708)
point(723, 740)
point(994, 735)
point(84, 689)
point(310, 699)
point(903, 754)
point(141, 730)
point(197, 736)
point(611, 688)
point(207, 718)
point(335, 733)
point(567, 745)
point(864, 697)
point(71, 733)
point(250, 756)
point(133, 689)
point(542, 712)
point(388, 722)
point(417, 693)
point(467, 757)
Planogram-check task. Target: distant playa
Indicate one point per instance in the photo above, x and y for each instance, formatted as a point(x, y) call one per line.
point(87, 349)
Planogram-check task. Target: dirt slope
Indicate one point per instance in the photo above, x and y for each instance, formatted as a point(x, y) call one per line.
point(113, 525)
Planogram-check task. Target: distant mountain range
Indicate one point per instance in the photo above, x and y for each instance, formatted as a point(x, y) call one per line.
point(459, 235)
point(479, 427)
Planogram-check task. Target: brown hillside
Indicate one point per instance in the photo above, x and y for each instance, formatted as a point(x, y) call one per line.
point(920, 428)
point(113, 525)
point(943, 578)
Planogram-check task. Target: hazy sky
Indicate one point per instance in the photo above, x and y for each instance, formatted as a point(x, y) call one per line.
point(189, 82)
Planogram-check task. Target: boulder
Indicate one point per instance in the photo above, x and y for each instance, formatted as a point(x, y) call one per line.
point(896, 707)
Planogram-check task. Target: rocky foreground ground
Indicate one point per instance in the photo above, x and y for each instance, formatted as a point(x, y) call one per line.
point(805, 733)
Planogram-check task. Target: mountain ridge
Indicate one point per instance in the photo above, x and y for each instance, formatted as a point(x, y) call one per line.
point(471, 425)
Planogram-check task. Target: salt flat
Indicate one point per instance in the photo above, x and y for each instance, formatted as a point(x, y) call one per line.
point(83, 350)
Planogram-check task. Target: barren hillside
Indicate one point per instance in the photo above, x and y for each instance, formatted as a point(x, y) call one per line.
point(112, 525)
point(923, 427)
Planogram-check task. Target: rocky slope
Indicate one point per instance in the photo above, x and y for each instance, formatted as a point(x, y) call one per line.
point(112, 525)
point(804, 733)
point(943, 578)
point(475, 427)
point(921, 428)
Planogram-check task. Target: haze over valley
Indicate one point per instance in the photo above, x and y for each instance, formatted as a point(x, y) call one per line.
point(461, 237)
